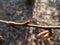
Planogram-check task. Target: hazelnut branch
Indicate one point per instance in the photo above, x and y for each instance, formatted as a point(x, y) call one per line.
point(29, 25)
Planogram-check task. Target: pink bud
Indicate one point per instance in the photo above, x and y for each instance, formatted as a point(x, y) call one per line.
point(30, 20)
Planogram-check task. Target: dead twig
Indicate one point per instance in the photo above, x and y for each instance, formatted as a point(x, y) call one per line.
point(30, 25)
point(2, 39)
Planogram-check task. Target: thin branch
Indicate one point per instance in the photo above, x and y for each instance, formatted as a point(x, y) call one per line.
point(11, 22)
point(44, 27)
point(30, 25)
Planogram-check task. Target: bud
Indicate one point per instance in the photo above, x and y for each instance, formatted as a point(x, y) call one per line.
point(30, 20)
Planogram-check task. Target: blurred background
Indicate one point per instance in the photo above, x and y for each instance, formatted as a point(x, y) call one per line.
point(43, 12)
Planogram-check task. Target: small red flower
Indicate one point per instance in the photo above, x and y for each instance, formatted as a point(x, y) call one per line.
point(30, 20)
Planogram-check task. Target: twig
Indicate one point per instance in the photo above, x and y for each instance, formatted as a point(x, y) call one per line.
point(30, 25)
point(44, 27)
point(2, 39)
